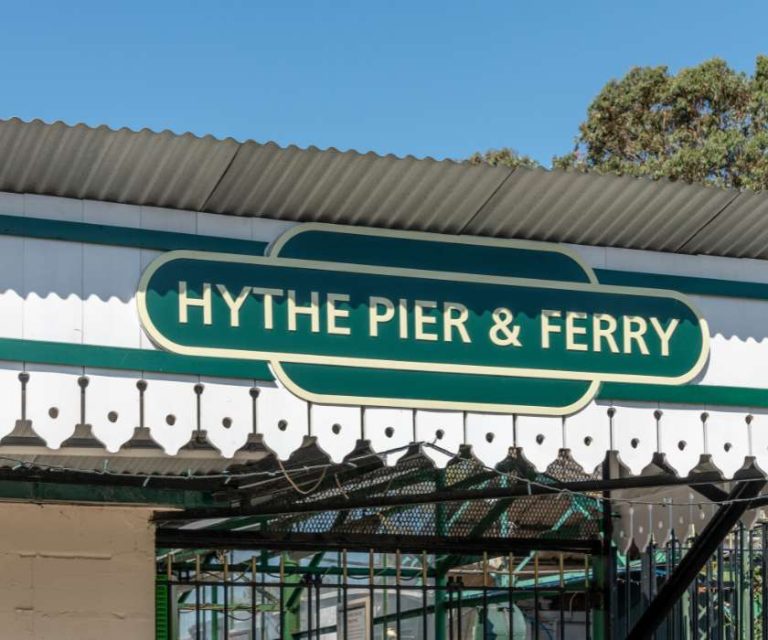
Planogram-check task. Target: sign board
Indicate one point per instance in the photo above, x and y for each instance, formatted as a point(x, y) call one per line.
point(370, 317)
point(355, 623)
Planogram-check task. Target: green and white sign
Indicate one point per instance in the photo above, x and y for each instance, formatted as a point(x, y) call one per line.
point(351, 316)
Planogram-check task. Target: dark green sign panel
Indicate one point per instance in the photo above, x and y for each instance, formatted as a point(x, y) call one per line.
point(354, 316)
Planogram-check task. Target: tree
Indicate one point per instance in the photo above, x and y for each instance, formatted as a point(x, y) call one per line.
point(504, 157)
point(707, 124)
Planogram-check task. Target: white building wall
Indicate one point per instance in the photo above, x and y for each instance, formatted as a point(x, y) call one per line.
point(84, 294)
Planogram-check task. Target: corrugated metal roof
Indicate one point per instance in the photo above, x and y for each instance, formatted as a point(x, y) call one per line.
point(264, 180)
point(741, 230)
point(162, 169)
point(599, 210)
point(350, 188)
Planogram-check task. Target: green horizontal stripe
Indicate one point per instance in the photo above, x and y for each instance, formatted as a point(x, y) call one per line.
point(147, 360)
point(169, 240)
point(685, 284)
point(696, 394)
point(123, 236)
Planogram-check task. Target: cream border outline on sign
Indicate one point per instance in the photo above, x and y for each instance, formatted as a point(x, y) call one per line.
point(277, 245)
point(275, 358)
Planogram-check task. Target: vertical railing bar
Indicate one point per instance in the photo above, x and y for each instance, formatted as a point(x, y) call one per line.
point(750, 573)
point(263, 615)
point(734, 604)
point(535, 596)
point(627, 595)
point(197, 597)
point(708, 597)
point(318, 584)
point(169, 595)
point(398, 624)
point(669, 564)
point(670, 567)
point(511, 595)
point(459, 596)
point(384, 596)
point(253, 597)
point(204, 625)
point(449, 588)
point(652, 573)
point(282, 596)
point(307, 580)
point(681, 603)
point(739, 579)
point(720, 593)
point(424, 596)
point(561, 564)
point(226, 596)
point(587, 600)
point(485, 594)
point(372, 594)
point(345, 594)
point(764, 574)
point(695, 599)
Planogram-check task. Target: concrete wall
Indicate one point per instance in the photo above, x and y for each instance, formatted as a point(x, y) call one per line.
point(76, 572)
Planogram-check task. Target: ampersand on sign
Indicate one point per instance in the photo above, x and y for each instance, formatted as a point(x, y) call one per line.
point(501, 333)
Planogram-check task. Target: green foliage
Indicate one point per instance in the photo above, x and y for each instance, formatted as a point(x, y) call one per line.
point(707, 124)
point(504, 157)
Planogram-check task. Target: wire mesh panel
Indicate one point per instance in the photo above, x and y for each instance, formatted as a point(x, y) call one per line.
point(313, 499)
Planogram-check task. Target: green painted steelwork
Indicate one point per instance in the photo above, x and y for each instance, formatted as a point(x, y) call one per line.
point(290, 611)
point(162, 615)
point(294, 596)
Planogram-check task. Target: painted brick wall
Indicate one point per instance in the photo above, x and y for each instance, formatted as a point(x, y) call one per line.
point(76, 572)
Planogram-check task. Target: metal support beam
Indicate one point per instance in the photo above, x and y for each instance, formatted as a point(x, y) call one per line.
point(219, 539)
point(704, 546)
point(607, 573)
point(452, 494)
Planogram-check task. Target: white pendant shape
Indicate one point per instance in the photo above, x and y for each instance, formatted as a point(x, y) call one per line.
point(389, 431)
point(337, 429)
point(170, 410)
point(491, 436)
point(226, 413)
point(444, 430)
point(53, 402)
point(634, 434)
point(112, 405)
point(588, 435)
point(541, 439)
point(282, 418)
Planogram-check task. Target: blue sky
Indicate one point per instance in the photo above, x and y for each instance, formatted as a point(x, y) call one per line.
point(427, 78)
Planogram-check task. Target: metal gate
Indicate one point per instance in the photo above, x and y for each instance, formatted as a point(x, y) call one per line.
point(368, 551)
point(725, 601)
point(371, 595)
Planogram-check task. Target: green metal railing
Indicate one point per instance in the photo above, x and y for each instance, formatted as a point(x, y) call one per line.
point(271, 596)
